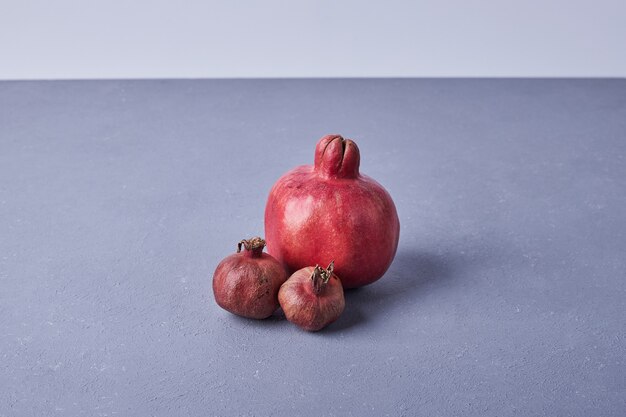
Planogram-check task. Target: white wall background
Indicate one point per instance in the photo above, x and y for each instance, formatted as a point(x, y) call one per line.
point(69, 39)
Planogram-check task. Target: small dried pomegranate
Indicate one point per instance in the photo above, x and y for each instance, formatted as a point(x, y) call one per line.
point(247, 283)
point(337, 212)
point(312, 298)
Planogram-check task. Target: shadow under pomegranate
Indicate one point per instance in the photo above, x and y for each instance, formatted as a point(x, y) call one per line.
point(402, 283)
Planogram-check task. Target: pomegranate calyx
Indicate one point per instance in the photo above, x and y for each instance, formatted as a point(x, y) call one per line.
point(320, 277)
point(337, 157)
point(253, 246)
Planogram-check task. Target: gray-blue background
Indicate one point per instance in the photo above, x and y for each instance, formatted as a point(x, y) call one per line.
point(117, 200)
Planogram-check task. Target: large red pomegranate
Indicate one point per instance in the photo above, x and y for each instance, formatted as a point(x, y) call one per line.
point(330, 212)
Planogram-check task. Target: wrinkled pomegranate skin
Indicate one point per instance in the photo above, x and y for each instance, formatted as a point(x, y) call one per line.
point(248, 286)
point(314, 218)
point(310, 311)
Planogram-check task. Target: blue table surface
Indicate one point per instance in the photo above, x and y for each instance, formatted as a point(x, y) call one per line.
point(506, 297)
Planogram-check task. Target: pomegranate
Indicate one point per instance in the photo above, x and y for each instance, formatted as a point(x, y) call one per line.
point(315, 213)
point(312, 298)
point(247, 283)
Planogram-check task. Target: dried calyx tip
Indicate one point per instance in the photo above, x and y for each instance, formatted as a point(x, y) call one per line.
point(320, 276)
point(251, 244)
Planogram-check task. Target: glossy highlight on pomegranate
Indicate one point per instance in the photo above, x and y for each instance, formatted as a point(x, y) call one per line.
point(312, 298)
point(329, 210)
point(247, 283)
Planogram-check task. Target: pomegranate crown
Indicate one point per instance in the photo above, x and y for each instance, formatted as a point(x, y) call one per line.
point(337, 157)
point(320, 276)
point(253, 247)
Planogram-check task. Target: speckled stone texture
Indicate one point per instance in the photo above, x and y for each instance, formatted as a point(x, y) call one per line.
point(507, 295)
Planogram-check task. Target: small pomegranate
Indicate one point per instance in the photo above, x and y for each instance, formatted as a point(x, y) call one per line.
point(337, 212)
point(312, 298)
point(247, 283)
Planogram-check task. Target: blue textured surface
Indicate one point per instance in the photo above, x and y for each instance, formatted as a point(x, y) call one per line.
point(507, 295)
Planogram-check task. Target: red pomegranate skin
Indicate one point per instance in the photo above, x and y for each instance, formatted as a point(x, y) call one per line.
point(329, 211)
point(307, 309)
point(247, 283)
